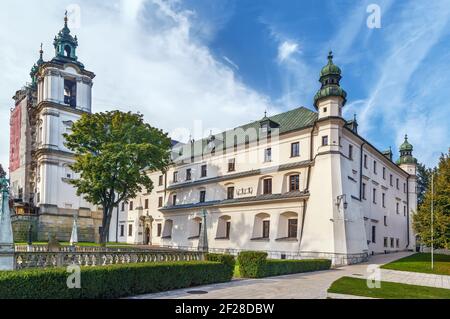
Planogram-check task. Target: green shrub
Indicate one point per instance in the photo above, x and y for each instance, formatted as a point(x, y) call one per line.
point(277, 267)
point(251, 263)
point(112, 281)
point(226, 259)
point(254, 264)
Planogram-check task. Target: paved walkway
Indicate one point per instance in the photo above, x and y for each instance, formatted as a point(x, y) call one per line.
point(312, 285)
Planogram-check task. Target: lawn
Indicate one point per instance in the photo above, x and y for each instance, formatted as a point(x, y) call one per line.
point(422, 263)
point(388, 290)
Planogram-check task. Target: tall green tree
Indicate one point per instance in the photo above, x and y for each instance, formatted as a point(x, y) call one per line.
point(2, 172)
point(441, 208)
point(423, 180)
point(113, 151)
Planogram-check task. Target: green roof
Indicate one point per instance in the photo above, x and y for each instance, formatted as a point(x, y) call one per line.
point(286, 122)
point(406, 146)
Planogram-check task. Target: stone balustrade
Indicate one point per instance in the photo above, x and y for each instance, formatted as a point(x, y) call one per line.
point(44, 248)
point(36, 259)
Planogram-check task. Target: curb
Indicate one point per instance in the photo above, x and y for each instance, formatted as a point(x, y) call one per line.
point(343, 296)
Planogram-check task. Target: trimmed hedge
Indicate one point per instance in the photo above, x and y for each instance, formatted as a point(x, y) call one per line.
point(254, 264)
point(226, 259)
point(251, 264)
point(277, 267)
point(112, 281)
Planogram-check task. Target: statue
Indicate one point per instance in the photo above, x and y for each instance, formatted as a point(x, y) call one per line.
point(53, 243)
point(74, 235)
point(6, 233)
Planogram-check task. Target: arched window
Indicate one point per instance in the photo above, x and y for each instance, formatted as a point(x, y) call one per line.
point(288, 226)
point(261, 226)
point(223, 227)
point(67, 50)
point(195, 228)
point(167, 231)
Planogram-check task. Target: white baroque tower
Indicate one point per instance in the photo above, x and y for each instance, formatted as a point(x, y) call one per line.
point(62, 93)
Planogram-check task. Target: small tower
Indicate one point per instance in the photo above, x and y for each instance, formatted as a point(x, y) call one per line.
point(406, 161)
point(409, 164)
point(65, 45)
point(35, 69)
point(331, 97)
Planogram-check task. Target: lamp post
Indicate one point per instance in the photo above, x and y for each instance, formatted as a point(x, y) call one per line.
point(432, 221)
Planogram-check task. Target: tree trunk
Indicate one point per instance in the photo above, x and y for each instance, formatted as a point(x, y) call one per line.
point(105, 225)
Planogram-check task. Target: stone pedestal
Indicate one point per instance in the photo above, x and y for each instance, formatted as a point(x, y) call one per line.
point(6, 257)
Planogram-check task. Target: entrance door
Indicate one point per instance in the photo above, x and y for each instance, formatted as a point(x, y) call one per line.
point(147, 236)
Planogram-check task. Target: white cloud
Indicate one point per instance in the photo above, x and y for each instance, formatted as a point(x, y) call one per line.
point(286, 49)
point(145, 59)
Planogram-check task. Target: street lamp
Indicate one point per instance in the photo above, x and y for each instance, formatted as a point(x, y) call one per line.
point(340, 199)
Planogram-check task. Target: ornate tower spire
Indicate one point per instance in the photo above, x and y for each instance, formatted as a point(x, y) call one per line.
point(406, 156)
point(65, 44)
point(330, 76)
point(35, 68)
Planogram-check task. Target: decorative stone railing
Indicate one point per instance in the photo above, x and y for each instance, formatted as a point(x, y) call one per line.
point(23, 260)
point(44, 248)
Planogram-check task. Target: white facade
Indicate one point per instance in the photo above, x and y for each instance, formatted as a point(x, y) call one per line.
point(338, 198)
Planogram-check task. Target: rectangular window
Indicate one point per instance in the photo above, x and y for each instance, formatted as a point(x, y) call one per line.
point(160, 201)
point(267, 186)
point(122, 208)
point(146, 203)
point(397, 208)
point(175, 177)
point(161, 178)
point(130, 230)
point(230, 192)
point(397, 243)
point(383, 199)
point(268, 155)
point(174, 200)
point(325, 140)
point(159, 230)
point(384, 172)
point(350, 151)
point(385, 242)
point(235, 143)
point(397, 183)
point(266, 229)
point(385, 221)
point(364, 191)
point(392, 242)
point(202, 196)
point(189, 174)
point(374, 195)
point(204, 171)
point(295, 149)
point(374, 167)
point(131, 205)
point(404, 187)
point(122, 230)
point(199, 228)
point(374, 236)
point(231, 165)
point(404, 210)
point(294, 183)
point(247, 142)
point(292, 228)
point(365, 161)
point(390, 180)
point(227, 234)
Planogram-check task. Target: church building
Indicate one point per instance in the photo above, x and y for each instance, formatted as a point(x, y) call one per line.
point(45, 109)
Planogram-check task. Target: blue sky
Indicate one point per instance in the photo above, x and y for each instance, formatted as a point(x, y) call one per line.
point(192, 66)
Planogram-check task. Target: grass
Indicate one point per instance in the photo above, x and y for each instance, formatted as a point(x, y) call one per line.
point(388, 290)
point(421, 262)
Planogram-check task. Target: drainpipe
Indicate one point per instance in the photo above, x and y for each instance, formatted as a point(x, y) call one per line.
point(407, 211)
point(360, 169)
